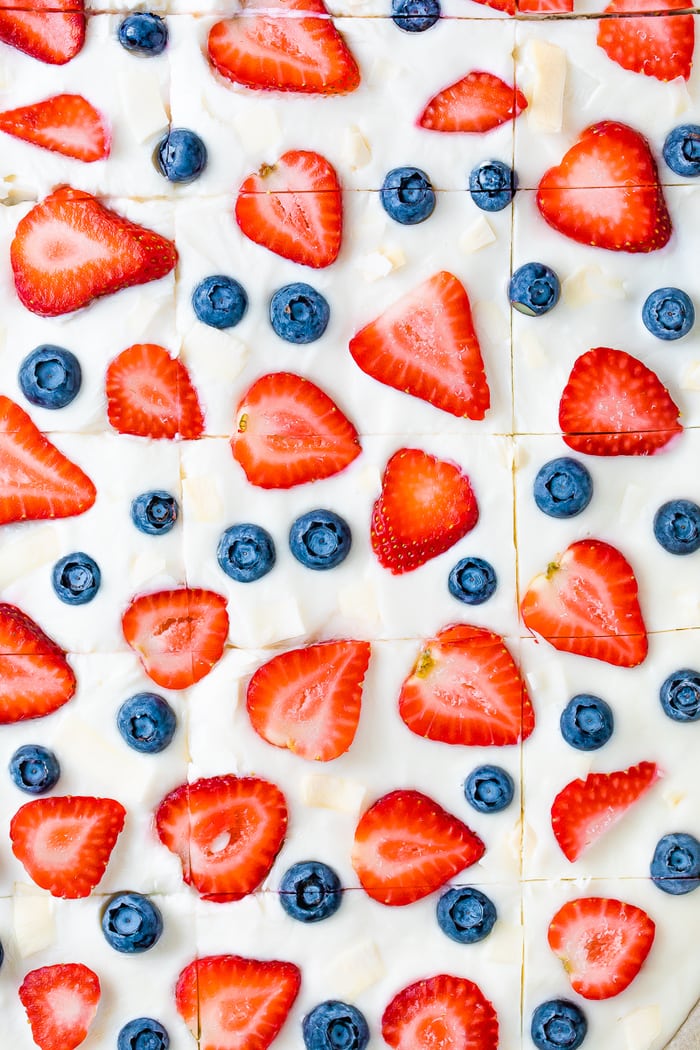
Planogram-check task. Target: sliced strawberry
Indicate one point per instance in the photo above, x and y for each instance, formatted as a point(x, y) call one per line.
point(426, 505)
point(150, 394)
point(289, 432)
point(478, 102)
point(36, 480)
point(35, 677)
point(506, 6)
point(425, 345)
point(545, 7)
point(606, 192)
point(70, 249)
point(61, 1003)
point(602, 943)
point(232, 1003)
point(661, 46)
point(294, 208)
point(613, 405)
point(226, 831)
point(441, 1013)
point(407, 846)
point(179, 635)
point(585, 809)
point(65, 842)
point(586, 603)
point(466, 689)
point(65, 124)
point(52, 31)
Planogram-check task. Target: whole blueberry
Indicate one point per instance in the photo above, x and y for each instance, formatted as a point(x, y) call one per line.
point(310, 891)
point(586, 722)
point(489, 789)
point(181, 156)
point(320, 539)
point(415, 16)
point(335, 1026)
point(143, 1033)
point(534, 289)
point(298, 313)
point(147, 722)
point(668, 313)
point(492, 185)
point(677, 526)
point(34, 769)
point(466, 915)
point(682, 150)
point(143, 33)
point(407, 196)
point(76, 578)
point(680, 695)
point(558, 1025)
point(472, 581)
point(675, 866)
point(50, 376)
point(154, 513)
point(246, 552)
point(131, 923)
point(219, 301)
point(563, 488)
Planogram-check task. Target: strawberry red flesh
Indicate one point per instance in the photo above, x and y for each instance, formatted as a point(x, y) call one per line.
point(52, 31)
point(661, 46)
point(438, 1013)
point(150, 394)
point(478, 102)
point(61, 1002)
point(35, 677)
point(66, 124)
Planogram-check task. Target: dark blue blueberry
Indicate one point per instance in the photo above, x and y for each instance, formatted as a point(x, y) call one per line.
point(466, 915)
point(534, 289)
point(492, 185)
point(680, 695)
point(143, 33)
point(489, 789)
point(677, 526)
point(682, 150)
point(181, 156)
point(50, 376)
point(143, 1033)
point(587, 722)
point(668, 313)
point(335, 1026)
point(76, 578)
point(407, 196)
point(563, 488)
point(320, 539)
point(246, 552)
point(675, 866)
point(298, 313)
point(34, 769)
point(219, 301)
point(154, 513)
point(472, 581)
point(310, 891)
point(558, 1025)
point(131, 923)
point(415, 16)
point(147, 722)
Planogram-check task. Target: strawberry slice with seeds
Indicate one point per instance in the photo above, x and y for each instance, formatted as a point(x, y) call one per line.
point(65, 842)
point(586, 603)
point(466, 689)
point(425, 345)
point(232, 1003)
point(606, 192)
point(585, 809)
point(61, 1002)
point(441, 1012)
point(288, 432)
point(35, 677)
point(407, 846)
point(613, 405)
point(150, 394)
point(226, 830)
point(603, 944)
point(179, 635)
point(309, 700)
point(36, 480)
point(426, 505)
point(661, 46)
point(294, 208)
point(478, 102)
point(66, 124)
point(70, 249)
point(53, 31)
